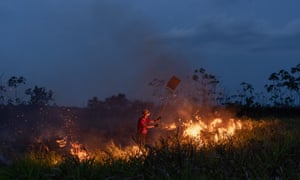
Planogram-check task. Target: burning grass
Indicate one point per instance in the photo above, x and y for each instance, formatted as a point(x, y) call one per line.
point(216, 149)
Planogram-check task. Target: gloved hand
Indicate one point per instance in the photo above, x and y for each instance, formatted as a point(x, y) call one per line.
point(155, 125)
point(159, 118)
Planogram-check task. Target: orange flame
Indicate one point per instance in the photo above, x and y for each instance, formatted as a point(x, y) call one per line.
point(215, 131)
point(79, 151)
point(62, 142)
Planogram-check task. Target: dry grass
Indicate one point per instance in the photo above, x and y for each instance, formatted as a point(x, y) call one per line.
point(268, 150)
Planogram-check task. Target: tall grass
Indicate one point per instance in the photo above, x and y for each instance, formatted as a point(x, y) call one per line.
point(270, 150)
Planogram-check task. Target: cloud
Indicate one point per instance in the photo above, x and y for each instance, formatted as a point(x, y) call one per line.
point(237, 36)
point(237, 50)
point(84, 49)
point(281, 40)
point(93, 48)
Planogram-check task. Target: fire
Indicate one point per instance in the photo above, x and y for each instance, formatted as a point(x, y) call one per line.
point(193, 129)
point(172, 126)
point(123, 153)
point(205, 131)
point(199, 132)
point(62, 142)
point(76, 149)
point(79, 151)
point(215, 131)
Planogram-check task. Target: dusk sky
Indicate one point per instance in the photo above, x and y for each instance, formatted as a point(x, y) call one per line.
point(86, 48)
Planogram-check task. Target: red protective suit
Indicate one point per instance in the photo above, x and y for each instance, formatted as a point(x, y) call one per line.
point(142, 125)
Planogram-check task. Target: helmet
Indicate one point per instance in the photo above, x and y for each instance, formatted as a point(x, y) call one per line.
point(146, 111)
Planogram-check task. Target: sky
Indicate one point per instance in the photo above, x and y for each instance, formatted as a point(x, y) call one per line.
point(86, 48)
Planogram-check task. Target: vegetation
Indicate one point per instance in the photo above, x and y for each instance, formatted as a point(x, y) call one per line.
point(269, 151)
point(31, 127)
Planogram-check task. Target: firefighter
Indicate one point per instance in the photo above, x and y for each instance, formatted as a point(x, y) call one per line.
point(145, 123)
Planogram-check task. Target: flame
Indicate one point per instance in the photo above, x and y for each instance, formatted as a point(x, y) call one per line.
point(200, 131)
point(172, 126)
point(193, 129)
point(123, 153)
point(62, 142)
point(215, 131)
point(79, 151)
point(204, 131)
point(76, 149)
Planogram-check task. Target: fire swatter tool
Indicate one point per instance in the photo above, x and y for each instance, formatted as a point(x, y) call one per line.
point(171, 86)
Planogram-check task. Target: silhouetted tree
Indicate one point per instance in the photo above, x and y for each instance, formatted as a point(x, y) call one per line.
point(206, 87)
point(39, 96)
point(2, 92)
point(283, 86)
point(246, 95)
point(13, 83)
point(94, 103)
point(8, 91)
point(295, 81)
point(118, 102)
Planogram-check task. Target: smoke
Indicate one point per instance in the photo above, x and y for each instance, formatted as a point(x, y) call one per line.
point(82, 49)
point(90, 49)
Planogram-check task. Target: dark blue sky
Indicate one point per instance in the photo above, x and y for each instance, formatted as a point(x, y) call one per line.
point(86, 48)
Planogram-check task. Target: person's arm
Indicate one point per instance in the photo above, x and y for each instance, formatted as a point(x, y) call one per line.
point(150, 121)
point(153, 123)
point(150, 126)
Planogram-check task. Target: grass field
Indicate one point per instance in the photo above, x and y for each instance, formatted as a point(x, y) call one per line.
point(267, 150)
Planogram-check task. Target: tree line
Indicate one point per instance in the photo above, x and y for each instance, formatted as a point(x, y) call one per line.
point(36, 96)
point(283, 90)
